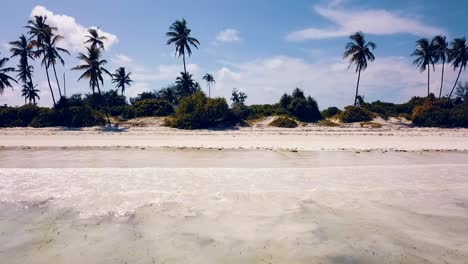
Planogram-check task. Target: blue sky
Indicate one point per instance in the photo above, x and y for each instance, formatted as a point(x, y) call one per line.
point(262, 47)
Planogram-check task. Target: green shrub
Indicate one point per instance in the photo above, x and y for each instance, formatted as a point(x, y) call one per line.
point(353, 114)
point(297, 105)
point(153, 107)
point(259, 111)
point(27, 113)
point(328, 123)
point(80, 117)
point(440, 113)
point(8, 116)
point(198, 111)
point(46, 118)
point(331, 111)
point(284, 122)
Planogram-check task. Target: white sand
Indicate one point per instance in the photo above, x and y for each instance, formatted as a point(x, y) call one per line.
point(66, 199)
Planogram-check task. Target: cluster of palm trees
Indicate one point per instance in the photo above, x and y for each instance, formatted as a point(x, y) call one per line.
point(42, 44)
point(427, 53)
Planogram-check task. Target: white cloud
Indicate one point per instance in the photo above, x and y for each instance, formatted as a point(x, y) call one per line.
point(372, 21)
point(229, 35)
point(122, 59)
point(73, 32)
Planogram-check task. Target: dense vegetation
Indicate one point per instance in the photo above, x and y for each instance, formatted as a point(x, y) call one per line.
point(187, 107)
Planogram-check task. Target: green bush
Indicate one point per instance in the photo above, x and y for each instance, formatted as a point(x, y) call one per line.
point(198, 111)
point(259, 111)
point(440, 113)
point(330, 111)
point(153, 107)
point(297, 105)
point(27, 113)
point(69, 117)
point(284, 122)
point(8, 116)
point(353, 114)
point(46, 118)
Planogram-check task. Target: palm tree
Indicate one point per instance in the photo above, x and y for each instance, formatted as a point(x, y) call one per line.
point(186, 85)
point(39, 29)
point(22, 48)
point(360, 52)
point(4, 77)
point(30, 93)
point(51, 54)
point(459, 56)
point(121, 78)
point(209, 81)
point(441, 50)
point(94, 39)
point(425, 57)
point(93, 67)
point(179, 35)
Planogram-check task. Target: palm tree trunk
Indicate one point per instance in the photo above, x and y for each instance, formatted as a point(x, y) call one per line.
point(428, 81)
point(209, 90)
point(442, 81)
point(50, 86)
point(56, 79)
point(105, 106)
point(185, 69)
point(455, 85)
point(357, 87)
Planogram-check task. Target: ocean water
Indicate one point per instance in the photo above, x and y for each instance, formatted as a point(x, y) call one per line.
point(232, 206)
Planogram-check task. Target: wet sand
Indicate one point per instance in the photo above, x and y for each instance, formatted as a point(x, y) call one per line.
point(169, 205)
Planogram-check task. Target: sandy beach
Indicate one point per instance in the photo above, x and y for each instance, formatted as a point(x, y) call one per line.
point(250, 195)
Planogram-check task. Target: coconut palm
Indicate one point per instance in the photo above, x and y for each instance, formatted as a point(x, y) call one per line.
point(94, 39)
point(121, 79)
point(30, 93)
point(209, 81)
point(360, 52)
point(186, 85)
point(93, 67)
point(458, 55)
point(4, 77)
point(441, 50)
point(51, 55)
point(425, 58)
point(22, 48)
point(179, 35)
point(40, 30)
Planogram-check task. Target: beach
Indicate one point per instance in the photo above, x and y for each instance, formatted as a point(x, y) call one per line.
point(247, 195)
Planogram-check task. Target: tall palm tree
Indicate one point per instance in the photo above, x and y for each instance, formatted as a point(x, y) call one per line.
point(360, 52)
point(441, 50)
point(93, 67)
point(22, 48)
point(4, 77)
point(425, 58)
point(458, 55)
point(39, 29)
point(94, 39)
point(51, 54)
point(209, 81)
point(179, 35)
point(30, 93)
point(121, 79)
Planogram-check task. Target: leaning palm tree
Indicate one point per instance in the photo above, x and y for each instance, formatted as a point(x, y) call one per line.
point(4, 77)
point(458, 55)
point(30, 93)
point(22, 48)
point(40, 30)
point(51, 55)
point(425, 58)
point(179, 35)
point(121, 79)
point(93, 67)
point(209, 81)
point(360, 52)
point(441, 50)
point(94, 39)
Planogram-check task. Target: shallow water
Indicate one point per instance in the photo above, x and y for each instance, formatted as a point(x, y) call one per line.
point(232, 206)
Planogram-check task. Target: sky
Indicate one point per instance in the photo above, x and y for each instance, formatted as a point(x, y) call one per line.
point(262, 47)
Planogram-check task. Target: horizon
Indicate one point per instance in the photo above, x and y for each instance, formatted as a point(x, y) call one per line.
point(304, 50)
